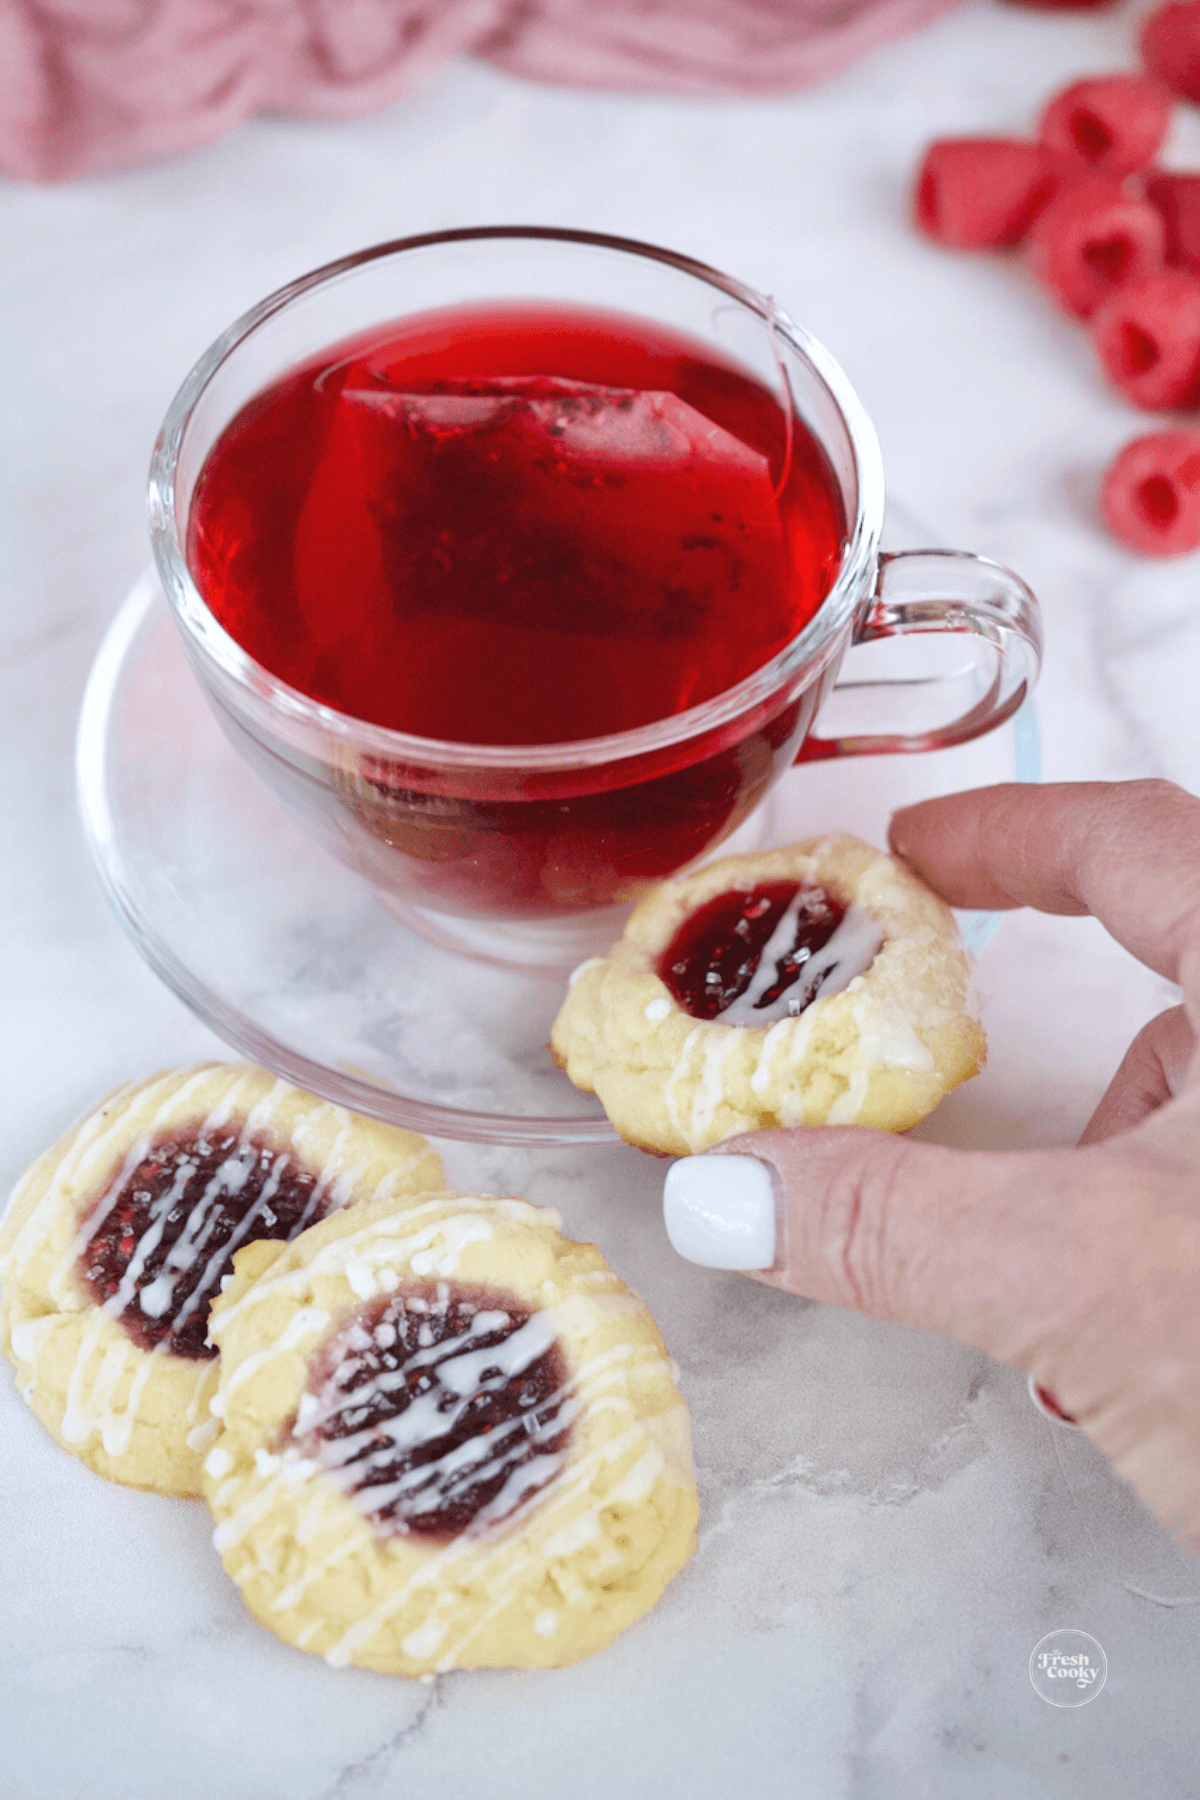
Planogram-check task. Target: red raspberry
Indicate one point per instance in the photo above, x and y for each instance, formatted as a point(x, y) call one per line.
point(981, 193)
point(1148, 338)
point(1150, 497)
point(1171, 47)
point(1113, 124)
point(1091, 238)
point(1177, 198)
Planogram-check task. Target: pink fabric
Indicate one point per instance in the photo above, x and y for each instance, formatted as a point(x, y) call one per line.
point(94, 85)
point(698, 46)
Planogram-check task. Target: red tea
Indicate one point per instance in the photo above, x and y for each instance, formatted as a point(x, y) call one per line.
point(522, 525)
point(515, 526)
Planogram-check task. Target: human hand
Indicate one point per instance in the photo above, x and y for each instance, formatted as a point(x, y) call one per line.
point(1081, 1266)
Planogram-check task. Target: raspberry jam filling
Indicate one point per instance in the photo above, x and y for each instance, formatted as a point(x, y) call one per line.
point(752, 956)
point(160, 1244)
point(437, 1409)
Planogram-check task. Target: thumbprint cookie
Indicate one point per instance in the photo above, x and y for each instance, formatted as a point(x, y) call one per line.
point(117, 1241)
point(817, 984)
point(451, 1439)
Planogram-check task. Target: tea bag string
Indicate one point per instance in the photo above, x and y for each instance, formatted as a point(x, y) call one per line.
point(789, 399)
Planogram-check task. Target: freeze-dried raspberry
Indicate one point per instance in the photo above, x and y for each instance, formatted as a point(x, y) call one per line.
point(1148, 338)
point(1177, 198)
point(981, 193)
point(1091, 238)
point(1171, 47)
point(1113, 124)
point(1150, 497)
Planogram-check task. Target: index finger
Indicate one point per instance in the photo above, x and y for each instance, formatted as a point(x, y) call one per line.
point(1127, 852)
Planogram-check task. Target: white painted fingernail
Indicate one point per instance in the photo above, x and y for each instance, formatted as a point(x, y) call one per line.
point(720, 1211)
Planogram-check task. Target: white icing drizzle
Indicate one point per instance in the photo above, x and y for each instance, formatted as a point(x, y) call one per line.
point(710, 1088)
point(73, 1174)
point(157, 1298)
point(850, 951)
point(421, 1643)
point(848, 1105)
point(692, 1114)
point(92, 1386)
point(890, 1038)
point(218, 1463)
point(201, 1437)
point(569, 1508)
point(165, 1105)
point(291, 1596)
point(28, 1336)
point(197, 1407)
point(789, 1034)
point(637, 1482)
point(675, 1082)
point(365, 1257)
point(885, 1040)
point(463, 1371)
point(507, 1570)
point(695, 1086)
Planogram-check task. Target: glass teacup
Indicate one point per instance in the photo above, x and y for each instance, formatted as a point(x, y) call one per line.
point(530, 851)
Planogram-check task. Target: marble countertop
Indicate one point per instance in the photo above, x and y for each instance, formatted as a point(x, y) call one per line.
point(888, 1526)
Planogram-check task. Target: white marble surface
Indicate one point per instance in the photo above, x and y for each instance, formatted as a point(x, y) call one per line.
point(888, 1526)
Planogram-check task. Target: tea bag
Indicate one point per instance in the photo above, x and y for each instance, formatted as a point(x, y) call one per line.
point(535, 543)
point(608, 428)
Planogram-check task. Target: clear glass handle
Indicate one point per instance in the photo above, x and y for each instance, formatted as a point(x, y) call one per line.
point(924, 694)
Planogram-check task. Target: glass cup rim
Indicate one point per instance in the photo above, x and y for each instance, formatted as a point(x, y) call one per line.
point(300, 710)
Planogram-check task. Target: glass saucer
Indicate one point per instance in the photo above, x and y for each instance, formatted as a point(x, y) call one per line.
point(299, 965)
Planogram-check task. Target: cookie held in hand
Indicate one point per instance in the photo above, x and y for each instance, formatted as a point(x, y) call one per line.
point(451, 1439)
point(118, 1239)
point(817, 984)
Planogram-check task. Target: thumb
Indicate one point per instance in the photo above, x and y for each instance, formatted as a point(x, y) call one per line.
point(994, 1249)
point(1081, 1266)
